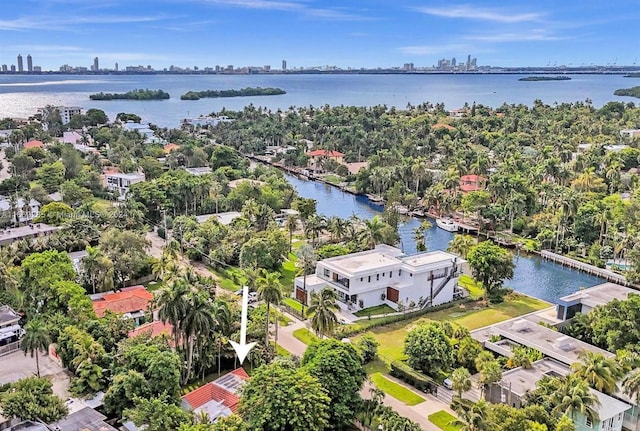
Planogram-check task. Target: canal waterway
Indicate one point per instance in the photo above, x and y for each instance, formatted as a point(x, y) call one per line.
point(532, 275)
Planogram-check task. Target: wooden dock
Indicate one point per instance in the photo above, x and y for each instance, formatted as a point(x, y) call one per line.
point(585, 267)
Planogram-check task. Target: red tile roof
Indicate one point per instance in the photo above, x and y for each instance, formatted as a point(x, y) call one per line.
point(34, 144)
point(472, 178)
point(325, 153)
point(170, 147)
point(153, 329)
point(471, 183)
point(214, 392)
point(129, 300)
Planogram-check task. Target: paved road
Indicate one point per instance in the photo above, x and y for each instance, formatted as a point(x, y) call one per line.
point(4, 172)
point(16, 366)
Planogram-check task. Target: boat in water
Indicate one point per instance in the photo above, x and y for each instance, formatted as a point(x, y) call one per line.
point(447, 224)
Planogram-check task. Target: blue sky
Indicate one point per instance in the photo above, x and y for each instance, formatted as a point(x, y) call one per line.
point(347, 33)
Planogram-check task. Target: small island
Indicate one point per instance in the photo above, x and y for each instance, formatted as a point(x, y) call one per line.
point(248, 91)
point(138, 94)
point(631, 92)
point(545, 78)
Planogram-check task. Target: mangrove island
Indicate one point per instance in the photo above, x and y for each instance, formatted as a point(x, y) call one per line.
point(631, 92)
point(137, 94)
point(248, 91)
point(545, 78)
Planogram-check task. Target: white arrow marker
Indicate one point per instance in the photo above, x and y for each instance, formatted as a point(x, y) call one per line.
point(242, 348)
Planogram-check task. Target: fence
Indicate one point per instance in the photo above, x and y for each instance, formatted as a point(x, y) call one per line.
point(10, 348)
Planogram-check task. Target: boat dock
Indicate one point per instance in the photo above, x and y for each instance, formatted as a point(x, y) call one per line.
point(585, 267)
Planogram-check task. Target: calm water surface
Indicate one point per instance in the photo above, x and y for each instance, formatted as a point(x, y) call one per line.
point(532, 275)
point(22, 95)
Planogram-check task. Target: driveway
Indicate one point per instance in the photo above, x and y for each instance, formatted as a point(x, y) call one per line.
point(16, 366)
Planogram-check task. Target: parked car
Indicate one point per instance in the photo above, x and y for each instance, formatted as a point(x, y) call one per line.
point(253, 297)
point(447, 384)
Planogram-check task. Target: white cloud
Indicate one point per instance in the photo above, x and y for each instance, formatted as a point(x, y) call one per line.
point(292, 6)
point(67, 22)
point(432, 49)
point(525, 35)
point(471, 12)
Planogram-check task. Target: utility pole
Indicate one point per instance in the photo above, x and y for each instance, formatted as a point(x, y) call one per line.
point(164, 225)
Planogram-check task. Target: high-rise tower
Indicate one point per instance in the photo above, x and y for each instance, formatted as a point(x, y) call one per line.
point(29, 64)
point(20, 66)
point(95, 65)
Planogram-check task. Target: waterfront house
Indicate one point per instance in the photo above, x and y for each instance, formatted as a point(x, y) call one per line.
point(472, 183)
point(385, 275)
point(143, 130)
point(516, 383)
point(585, 300)
point(317, 159)
point(131, 302)
point(218, 398)
point(120, 183)
point(224, 218)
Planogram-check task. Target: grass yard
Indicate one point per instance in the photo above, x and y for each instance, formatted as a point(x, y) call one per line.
point(474, 289)
point(281, 351)
point(374, 311)
point(395, 390)
point(306, 336)
point(333, 179)
point(288, 272)
point(391, 337)
point(154, 285)
point(293, 304)
point(443, 420)
point(225, 281)
point(376, 366)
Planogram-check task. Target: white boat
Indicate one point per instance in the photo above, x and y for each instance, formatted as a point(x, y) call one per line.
point(447, 224)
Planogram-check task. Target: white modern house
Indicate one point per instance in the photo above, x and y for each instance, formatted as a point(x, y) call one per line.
point(119, 182)
point(385, 275)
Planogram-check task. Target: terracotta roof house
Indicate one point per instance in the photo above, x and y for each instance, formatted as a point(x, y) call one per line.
point(131, 302)
point(218, 398)
point(170, 147)
point(317, 157)
point(33, 144)
point(153, 329)
point(442, 126)
point(472, 183)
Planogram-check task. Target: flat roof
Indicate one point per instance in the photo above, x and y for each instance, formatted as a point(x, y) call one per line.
point(431, 257)
point(131, 176)
point(600, 295)
point(228, 217)
point(365, 261)
point(528, 332)
point(522, 380)
point(25, 231)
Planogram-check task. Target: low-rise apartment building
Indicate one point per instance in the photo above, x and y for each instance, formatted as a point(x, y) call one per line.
point(385, 275)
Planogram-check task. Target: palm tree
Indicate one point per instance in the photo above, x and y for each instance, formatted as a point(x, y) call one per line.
point(461, 380)
point(472, 416)
point(36, 338)
point(322, 309)
point(198, 319)
point(374, 231)
point(490, 372)
point(270, 290)
point(291, 224)
point(418, 236)
point(599, 372)
point(172, 300)
point(631, 387)
point(306, 262)
point(574, 396)
point(461, 245)
point(97, 268)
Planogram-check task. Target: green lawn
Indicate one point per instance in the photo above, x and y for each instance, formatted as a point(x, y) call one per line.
point(374, 311)
point(154, 285)
point(391, 337)
point(395, 390)
point(288, 272)
point(306, 336)
point(333, 179)
point(225, 281)
point(376, 366)
point(281, 351)
point(475, 290)
point(443, 420)
point(293, 304)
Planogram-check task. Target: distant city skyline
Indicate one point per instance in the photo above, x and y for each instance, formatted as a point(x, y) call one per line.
point(312, 33)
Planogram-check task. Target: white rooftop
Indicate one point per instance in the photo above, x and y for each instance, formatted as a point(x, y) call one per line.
point(429, 258)
point(130, 176)
point(600, 295)
point(379, 258)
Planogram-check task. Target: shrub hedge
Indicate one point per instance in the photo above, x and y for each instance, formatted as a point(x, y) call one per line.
point(404, 372)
